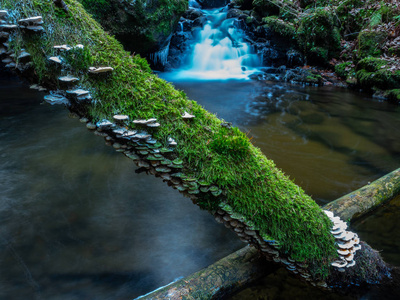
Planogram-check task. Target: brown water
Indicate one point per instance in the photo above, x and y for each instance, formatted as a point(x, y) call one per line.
point(76, 221)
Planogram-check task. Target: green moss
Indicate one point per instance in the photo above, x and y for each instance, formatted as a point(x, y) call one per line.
point(265, 7)
point(149, 22)
point(252, 185)
point(370, 43)
point(344, 69)
point(371, 64)
point(230, 142)
point(394, 96)
point(381, 79)
point(374, 73)
point(318, 29)
point(318, 56)
point(281, 27)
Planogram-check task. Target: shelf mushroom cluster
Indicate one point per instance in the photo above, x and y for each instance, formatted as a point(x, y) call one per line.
point(149, 154)
point(270, 248)
point(348, 243)
point(10, 59)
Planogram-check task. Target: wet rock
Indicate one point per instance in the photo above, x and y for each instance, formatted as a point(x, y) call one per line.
point(192, 14)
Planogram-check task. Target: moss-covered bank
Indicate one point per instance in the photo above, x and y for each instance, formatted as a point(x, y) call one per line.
point(251, 185)
point(338, 34)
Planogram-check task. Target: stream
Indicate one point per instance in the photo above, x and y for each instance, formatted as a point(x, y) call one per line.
point(77, 222)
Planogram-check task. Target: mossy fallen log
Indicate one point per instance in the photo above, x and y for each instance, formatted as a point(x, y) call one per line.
point(367, 198)
point(214, 165)
point(247, 265)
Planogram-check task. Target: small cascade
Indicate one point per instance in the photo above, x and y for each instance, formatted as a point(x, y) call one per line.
point(219, 51)
point(160, 57)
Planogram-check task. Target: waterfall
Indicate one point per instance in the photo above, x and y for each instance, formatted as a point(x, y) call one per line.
point(160, 57)
point(219, 51)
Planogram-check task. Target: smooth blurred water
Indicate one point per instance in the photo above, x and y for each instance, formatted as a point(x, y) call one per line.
point(219, 51)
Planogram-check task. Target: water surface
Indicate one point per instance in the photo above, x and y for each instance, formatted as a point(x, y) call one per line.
point(77, 222)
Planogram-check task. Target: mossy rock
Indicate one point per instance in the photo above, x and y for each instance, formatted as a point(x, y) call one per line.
point(394, 96)
point(319, 30)
point(143, 26)
point(279, 26)
point(344, 69)
point(381, 79)
point(371, 64)
point(374, 73)
point(370, 43)
point(318, 56)
point(265, 8)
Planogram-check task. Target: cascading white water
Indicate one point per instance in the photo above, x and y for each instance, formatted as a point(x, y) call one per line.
point(220, 51)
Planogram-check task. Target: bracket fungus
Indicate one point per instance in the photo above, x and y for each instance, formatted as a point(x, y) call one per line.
point(55, 99)
point(186, 115)
point(3, 13)
point(62, 47)
point(98, 70)
point(172, 142)
point(121, 119)
point(56, 59)
point(8, 27)
point(78, 92)
point(68, 79)
point(347, 242)
point(38, 20)
point(23, 55)
point(104, 124)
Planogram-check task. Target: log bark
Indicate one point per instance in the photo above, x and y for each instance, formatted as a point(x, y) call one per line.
point(246, 265)
point(369, 197)
point(221, 278)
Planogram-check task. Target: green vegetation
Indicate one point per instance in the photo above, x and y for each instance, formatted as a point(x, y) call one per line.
point(370, 43)
point(252, 185)
point(318, 33)
point(149, 22)
point(331, 33)
point(374, 73)
point(281, 27)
